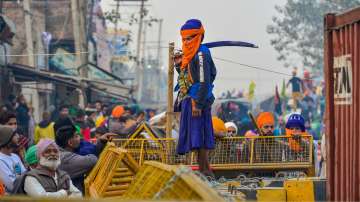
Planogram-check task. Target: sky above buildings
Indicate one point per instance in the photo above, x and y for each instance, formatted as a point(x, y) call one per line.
point(243, 20)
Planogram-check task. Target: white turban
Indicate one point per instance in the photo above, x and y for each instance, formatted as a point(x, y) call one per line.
point(231, 124)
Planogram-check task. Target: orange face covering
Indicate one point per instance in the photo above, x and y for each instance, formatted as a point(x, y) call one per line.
point(190, 48)
point(295, 144)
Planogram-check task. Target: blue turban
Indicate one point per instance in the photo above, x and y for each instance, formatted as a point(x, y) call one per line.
point(192, 24)
point(296, 120)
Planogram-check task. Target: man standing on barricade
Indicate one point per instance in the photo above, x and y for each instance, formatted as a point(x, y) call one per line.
point(195, 83)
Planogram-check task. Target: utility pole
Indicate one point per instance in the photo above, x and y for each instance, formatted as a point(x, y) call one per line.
point(159, 42)
point(159, 63)
point(79, 30)
point(139, 70)
point(117, 15)
point(142, 55)
point(170, 100)
point(28, 32)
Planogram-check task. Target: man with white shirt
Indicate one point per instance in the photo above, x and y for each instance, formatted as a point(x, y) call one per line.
point(47, 180)
point(10, 163)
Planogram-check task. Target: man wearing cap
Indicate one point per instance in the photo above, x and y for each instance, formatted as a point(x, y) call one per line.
point(195, 98)
point(9, 119)
point(72, 162)
point(46, 180)
point(10, 163)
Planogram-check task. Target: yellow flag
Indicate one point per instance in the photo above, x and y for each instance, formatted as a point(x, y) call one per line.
point(251, 90)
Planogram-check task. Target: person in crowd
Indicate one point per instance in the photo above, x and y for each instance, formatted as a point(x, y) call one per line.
point(310, 131)
point(251, 133)
point(231, 128)
point(295, 129)
point(8, 118)
point(11, 103)
point(280, 129)
point(121, 124)
point(308, 82)
point(47, 180)
point(11, 165)
point(63, 111)
point(266, 123)
point(114, 122)
point(197, 74)
point(31, 158)
point(80, 123)
point(32, 124)
point(151, 113)
point(103, 120)
point(297, 87)
point(74, 164)
point(3, 109)
point(106, 110)
point(90, 120)
point(99, 108)
point(266, 149)
point(219, 127)
point(84, 147)
point(45, 129)
point(100, 131)
point(22, 116)
point(323, 157)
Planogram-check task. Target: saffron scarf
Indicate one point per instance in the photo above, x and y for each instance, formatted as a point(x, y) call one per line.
point(195, 30)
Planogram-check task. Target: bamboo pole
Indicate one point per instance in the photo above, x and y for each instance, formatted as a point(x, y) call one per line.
point(170, 105)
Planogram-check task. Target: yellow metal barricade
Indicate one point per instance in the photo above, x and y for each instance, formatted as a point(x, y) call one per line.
point(166, 182)
point(95, 170)
point(279, 152)
point(112, 175)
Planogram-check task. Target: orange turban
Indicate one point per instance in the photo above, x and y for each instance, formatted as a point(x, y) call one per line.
point(218, 125)
point(265, 118)
point(117, 111)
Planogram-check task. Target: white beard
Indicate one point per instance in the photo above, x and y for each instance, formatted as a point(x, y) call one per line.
point(52, 164)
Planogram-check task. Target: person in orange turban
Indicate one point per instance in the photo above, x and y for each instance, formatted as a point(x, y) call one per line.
point(118, 111)
point(219, 127)
point(266, 122)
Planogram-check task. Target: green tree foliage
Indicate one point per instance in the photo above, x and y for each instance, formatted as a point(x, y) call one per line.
point(298, 30)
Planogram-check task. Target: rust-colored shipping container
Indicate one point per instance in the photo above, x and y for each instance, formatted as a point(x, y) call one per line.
point(342, 76)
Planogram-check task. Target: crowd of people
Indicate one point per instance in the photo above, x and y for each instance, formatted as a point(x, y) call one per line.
point(52, 158)
point(304, 108)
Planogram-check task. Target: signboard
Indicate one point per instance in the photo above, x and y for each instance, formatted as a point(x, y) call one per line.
point(343, 80)
point(117, 42)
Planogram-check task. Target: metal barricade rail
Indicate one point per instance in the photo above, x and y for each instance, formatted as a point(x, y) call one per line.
point(275, 152)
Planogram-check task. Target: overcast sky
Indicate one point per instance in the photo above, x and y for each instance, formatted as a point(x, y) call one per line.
point(243, 20)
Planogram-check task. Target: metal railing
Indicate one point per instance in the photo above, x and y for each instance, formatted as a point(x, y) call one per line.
point(229, 153)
